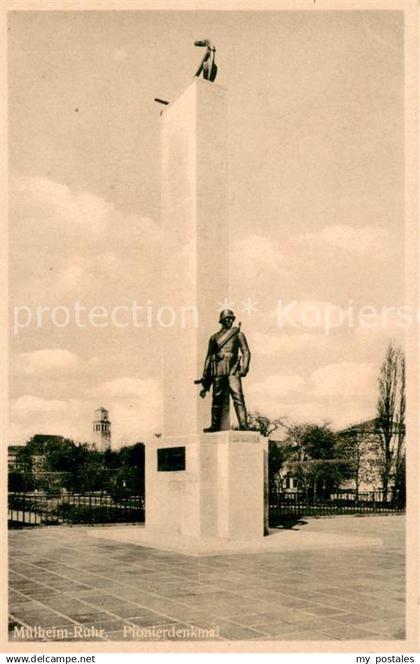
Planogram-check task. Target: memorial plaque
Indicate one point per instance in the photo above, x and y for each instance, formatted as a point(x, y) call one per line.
point(171, 458)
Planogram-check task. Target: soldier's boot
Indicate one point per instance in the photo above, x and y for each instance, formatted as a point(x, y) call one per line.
point(216, 415)
point(241, 414)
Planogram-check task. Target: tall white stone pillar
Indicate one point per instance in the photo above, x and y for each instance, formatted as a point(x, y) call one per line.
point(196, 245)
point(202, 489)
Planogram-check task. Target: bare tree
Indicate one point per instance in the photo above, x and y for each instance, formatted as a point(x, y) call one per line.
point(357, 448)
point(400, 450)
point(263, 424)
point(391, 413)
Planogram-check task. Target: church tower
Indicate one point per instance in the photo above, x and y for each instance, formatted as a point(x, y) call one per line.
point(102, 430)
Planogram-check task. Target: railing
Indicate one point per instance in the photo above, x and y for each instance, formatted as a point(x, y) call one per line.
point(38, 508)
point(288, 505)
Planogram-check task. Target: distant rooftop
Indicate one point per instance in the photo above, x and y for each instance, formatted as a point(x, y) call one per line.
point(15, 448)
point(43, 437)
point(367, 426)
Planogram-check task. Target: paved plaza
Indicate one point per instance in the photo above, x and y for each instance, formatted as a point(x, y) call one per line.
point(62, 578)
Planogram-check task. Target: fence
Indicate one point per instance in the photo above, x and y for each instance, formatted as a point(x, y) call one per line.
point(37, 508)
point(283, 506)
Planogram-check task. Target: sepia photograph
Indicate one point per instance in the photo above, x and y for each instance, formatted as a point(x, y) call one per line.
point(212, 358)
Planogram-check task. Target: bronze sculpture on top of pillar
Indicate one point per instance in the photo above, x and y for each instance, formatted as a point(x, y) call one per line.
point(208, 65)
point(226, 363)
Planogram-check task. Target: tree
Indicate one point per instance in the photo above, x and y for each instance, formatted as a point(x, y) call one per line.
point(90, 474)
point(64, 455)
point(36, 445)
point(400, 450)
point(129, 478)
point(133, 455)
point(111, 459)
point(24, 460)
point(277, 454)
point(67, 464)
point(400, 483)
point(263, 424)
point(317, 462)
point(60, 463)
point(22, 477)
point(20, 481)
point(391, 415)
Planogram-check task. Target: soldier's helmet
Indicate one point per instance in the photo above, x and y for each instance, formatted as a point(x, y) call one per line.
point(226, 313)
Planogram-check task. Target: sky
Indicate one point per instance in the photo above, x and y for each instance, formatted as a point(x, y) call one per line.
point(316, 155)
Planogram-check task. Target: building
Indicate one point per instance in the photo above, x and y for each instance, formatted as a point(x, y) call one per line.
point(12, 452)
point(368, 428)
point(102, 430)
point(364, 438)
point(35, 448)
point(360, 443)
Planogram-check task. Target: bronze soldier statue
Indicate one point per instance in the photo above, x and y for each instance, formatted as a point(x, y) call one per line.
point(227, 361)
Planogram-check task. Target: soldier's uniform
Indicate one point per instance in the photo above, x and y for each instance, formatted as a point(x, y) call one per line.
point(228, 358)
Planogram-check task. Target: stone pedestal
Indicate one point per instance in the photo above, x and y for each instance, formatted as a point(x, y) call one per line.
point(219, 496)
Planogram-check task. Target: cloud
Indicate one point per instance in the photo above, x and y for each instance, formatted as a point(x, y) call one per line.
point(29, 415)
point(46, 360)
point(74, 245)
point(284, 343)
point(309, 314)
point(135, 405)
point(39, 201)
point(385, 324)
point(275, 387)
point(44, 201)
point(29, 404)
point(127, 387)
point(339, 393)
point(344, 379)
point(341, 258)
point(119, 54)
point(316, 412)
point(372, 241)
point(256, 256)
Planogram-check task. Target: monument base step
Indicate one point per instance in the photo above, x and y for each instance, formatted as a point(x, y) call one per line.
point(278, 540)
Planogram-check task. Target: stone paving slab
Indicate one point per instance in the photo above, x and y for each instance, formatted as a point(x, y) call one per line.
point(63, 579)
